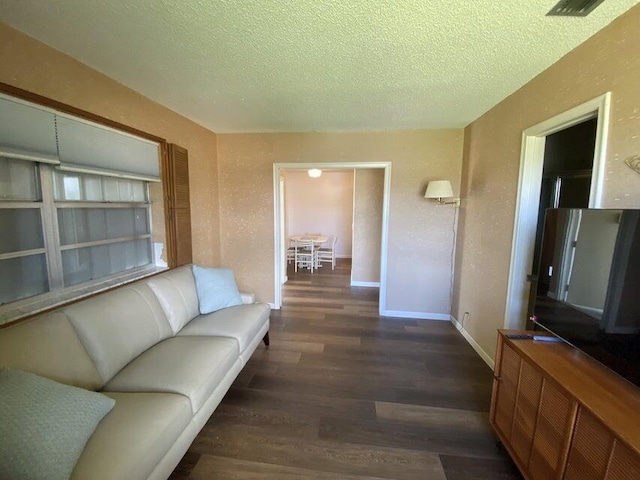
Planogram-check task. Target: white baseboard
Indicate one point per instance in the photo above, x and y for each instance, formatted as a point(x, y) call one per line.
point(273, 306)
point(484, 355)
point(417, 315)
point(357, 283)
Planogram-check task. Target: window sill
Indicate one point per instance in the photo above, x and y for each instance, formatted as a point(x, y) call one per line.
point(30, 306)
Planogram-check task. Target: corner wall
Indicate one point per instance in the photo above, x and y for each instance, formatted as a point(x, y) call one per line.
point(608, 61)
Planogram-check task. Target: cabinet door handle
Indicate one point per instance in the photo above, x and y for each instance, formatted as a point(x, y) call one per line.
point(497, 378)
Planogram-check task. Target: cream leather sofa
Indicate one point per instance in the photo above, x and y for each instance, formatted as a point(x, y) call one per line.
point(146, 346)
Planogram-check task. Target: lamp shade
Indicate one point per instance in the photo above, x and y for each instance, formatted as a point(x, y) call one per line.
point(439, 189)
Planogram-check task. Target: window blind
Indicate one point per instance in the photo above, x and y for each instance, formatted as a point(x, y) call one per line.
point(27, 133)
point(88, 148)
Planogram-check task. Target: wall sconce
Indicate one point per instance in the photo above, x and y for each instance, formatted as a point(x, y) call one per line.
point(314, 172)
point(440, 189)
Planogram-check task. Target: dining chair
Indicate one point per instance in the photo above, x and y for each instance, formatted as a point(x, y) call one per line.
point(291, 251)
point(306, 255)
point(328, 254)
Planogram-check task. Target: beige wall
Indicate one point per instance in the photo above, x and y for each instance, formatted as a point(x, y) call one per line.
point(323, 204)
point(367, 225)
point(33, 66)
point(609, 61)
point(420, 235)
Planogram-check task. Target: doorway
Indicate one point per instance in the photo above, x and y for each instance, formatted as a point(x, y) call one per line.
point(530, 187)
point(566, 183)
point(280, 238)
point(321, 205)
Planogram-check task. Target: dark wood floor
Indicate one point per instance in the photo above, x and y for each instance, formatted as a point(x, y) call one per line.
point(342, 393)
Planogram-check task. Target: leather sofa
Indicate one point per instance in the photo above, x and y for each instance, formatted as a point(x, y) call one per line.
point(146, 346)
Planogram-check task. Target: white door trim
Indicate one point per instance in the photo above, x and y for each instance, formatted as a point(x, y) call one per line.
point(283, 257)
point(278, 220)
point(528, 200)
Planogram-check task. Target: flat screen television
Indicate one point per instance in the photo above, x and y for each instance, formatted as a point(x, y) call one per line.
point(588, 289)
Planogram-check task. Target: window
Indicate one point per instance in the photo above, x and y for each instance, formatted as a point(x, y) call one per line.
point(23, 262)
point(103, 228)
point(75, 208)
point(98, 239)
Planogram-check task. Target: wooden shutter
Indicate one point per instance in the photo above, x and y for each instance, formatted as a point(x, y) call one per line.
point(591, 448)
point(624, 464)
point(178, 207)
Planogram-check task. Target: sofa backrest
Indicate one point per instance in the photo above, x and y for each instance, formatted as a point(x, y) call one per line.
point(176, 292)
point(48, 345)
point(117, 326)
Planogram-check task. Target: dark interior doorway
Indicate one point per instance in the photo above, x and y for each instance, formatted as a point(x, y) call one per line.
point(566, 182)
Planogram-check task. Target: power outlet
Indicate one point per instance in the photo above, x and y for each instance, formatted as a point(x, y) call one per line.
point(464, 317)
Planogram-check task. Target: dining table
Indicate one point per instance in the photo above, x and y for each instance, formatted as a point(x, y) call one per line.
point(316, 239)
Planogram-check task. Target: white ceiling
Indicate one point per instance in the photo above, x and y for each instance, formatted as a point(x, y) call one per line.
point(314, 65)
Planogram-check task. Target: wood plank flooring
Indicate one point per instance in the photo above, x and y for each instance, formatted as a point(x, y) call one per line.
point(342, 393)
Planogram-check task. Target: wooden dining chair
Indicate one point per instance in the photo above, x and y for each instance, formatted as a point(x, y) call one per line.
point(328, 254)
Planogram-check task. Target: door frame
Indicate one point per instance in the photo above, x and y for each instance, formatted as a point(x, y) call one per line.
point(279, 240)
point(282, 200)
point(528, 199)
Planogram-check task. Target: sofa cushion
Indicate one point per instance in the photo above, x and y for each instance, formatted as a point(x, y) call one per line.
point(216, 289)
point(176, 292)
point(190, 366)
point(44, 425)
point(134, 437)
point(242, 323)
point(117, 326)
point(48, 345)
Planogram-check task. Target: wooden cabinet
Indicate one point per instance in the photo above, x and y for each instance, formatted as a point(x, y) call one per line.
point(563, 416)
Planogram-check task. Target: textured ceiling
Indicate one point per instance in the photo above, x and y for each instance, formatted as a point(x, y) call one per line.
point(313, 65)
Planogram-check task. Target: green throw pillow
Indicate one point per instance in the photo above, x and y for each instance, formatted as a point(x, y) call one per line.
point(44, 425)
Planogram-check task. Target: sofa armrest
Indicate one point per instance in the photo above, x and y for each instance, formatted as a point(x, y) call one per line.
point(248, 298)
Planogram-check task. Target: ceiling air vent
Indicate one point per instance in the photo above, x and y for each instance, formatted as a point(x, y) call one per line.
point(574, 8)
